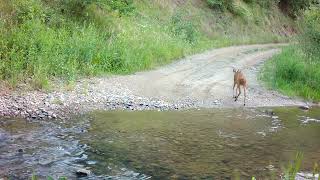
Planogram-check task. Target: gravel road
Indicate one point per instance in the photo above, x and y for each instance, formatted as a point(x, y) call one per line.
point(200, 81)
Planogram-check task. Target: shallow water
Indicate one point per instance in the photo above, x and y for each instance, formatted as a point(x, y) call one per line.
point(203, 144)
point(39, 147)
point(193, 144)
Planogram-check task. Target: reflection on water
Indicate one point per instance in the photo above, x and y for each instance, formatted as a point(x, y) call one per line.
point(202, 144)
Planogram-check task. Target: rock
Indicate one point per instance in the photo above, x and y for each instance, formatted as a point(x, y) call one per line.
point(305, 107)
point(216, 102)
point(269, 112)
point(45, 162)
point(79, 153)
point(91, 162)
point(83, 172)
point(42, 116)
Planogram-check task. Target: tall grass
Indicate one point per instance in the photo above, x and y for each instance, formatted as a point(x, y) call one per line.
point(292, 75)
point(296, 70)
point(293, 167)
point(41, 40)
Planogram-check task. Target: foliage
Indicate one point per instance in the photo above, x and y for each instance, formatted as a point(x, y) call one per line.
point(296, 70)
point(217, 4)
point(293, 75)
point(293, 167)
point(310, 38)
point(239, 8)
point(42, 39)
point(184, 28)
point(295, 7)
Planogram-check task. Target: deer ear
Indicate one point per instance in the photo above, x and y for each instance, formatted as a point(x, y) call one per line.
point(234, 70)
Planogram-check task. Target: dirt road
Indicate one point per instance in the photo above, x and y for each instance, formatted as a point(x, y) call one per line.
point(208, 78)
point(203, 80)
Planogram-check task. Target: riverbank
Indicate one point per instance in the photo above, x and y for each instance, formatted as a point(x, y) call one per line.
point(293, 74)
point(199, 81)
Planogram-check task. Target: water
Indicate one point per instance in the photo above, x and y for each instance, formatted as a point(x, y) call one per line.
point(41, 148)
point(203, 144)
point(193, 144)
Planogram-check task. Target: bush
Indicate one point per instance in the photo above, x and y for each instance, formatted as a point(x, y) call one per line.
point(67, 39)
point(125, 7)
point(217, 4)
point(290, 73)
point(239, 8)
point(184, 28)
point(27, 10)
point(294, 7)
point(236, 7)
point(36, 51)
point(310, 38)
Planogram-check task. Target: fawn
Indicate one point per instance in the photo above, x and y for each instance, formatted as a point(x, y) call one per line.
point(239, 80)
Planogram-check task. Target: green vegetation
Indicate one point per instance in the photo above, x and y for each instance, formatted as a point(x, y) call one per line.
point(293, 167)
point(296, 70)
point(291, 7)
point(41, 40)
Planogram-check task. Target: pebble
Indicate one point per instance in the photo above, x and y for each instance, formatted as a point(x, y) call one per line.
point(305, 107)
point(83, 172)
point(61, 104)
point(91, 162)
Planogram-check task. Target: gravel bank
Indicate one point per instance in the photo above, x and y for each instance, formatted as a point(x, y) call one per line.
point(203, 80)
point(87, 95)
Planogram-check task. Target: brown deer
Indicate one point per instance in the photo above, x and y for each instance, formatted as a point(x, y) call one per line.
point(239, 80)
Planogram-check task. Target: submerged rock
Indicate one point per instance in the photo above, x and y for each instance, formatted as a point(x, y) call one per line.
point(83, 172)
point(305, 107)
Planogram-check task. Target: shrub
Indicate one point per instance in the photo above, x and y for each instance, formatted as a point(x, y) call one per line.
point(217, 4)
point(294, 7)
point(310, 38)
point(26, 10)
point(290, 73)
point(239, 8)
point(184, 28)
point(125, 7)
point(36, 51)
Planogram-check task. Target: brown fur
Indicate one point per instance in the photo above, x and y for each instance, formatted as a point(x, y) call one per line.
point(240, 80)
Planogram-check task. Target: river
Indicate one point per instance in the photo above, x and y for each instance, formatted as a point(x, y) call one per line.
point(190, 144)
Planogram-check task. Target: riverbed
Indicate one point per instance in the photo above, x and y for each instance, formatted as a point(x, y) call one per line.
point(187, 144)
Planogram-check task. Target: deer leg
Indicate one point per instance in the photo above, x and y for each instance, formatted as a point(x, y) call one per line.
point(238, 88)
point(233, 95)
point(245, 95)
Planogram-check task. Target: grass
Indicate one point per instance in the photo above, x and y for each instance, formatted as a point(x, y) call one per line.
point(41, 40)
point(293, 73)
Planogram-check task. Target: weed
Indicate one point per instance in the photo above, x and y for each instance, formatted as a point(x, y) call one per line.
point(296, 70)
point(43, 40)
point(293, 167)
point(290, 73)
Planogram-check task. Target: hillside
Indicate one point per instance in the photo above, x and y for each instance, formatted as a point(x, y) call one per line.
point(41, 40)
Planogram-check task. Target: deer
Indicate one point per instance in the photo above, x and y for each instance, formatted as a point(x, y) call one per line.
point(239, 80)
